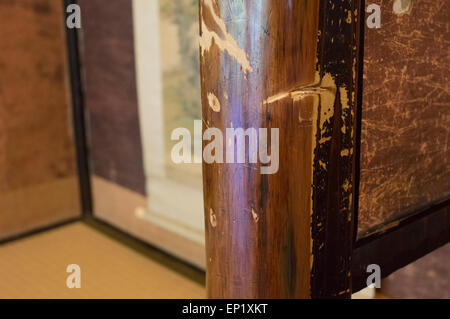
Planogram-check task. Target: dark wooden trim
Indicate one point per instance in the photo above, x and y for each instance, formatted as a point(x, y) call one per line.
point(77, 97)
point(397, 246)
point(362, 25)
point(334, 192)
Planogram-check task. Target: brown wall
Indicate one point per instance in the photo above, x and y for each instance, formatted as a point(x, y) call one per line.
point(405, 154)
point(38, 183)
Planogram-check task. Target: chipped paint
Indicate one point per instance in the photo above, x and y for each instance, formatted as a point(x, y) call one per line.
point(213, 102)
point(325, 88)
point(255, 216)
point(212, 218)
point(324, 140)
point(327, 102)
point(344, 99)
point(333, 136)
point(349, 17)
point(320, 118)
point(402, 7)
point(295, 94)
point(345, 152)
point(350, 202)
point(228, 43)
point(343, 292)
point(346, 185)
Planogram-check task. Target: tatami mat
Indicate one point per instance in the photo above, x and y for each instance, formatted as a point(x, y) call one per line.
point(35, 267)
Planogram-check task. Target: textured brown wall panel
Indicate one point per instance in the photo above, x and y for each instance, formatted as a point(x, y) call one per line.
point(38, 183)
point(405, 155)
point(111, 97)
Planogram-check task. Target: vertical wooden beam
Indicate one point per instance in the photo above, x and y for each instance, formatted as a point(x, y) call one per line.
point(290, 65)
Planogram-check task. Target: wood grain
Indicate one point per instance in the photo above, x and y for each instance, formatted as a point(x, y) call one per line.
point(110, 92)
point(405, 154)
point(38, 182)
point(286, 235)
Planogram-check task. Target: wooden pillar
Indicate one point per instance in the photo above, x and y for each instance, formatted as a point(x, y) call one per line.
point(290, 65)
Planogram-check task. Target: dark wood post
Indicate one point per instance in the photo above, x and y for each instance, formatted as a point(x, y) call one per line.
point(290, 65)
